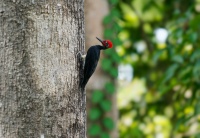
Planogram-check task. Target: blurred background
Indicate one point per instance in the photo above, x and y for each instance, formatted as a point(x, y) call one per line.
point(148, 84)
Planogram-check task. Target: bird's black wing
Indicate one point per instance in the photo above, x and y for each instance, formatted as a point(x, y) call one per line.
point(91, 61)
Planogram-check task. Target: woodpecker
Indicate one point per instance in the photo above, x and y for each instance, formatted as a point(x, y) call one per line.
point(92, 58)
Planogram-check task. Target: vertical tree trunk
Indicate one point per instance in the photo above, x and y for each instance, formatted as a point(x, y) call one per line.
point(39, 71)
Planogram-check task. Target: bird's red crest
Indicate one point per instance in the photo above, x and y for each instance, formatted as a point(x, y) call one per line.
point(107, 43)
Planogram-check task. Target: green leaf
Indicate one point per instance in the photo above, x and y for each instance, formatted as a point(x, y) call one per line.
point(197, 109)
point(109, 52)
point(107, 19)
point(110, 88)
point(94, 130)
point(157, 55)
point(193, 37)
point(113, 1)
point(195, 55)
point(178, 59)
point(170, 72)
point(94, 113)
point(108, 33)
point(196, 70)
point(108, 123)
point(194, 23)
point(97, 96)
point(182, 120)
point(106, 64)
point(117, 41)
point(115, 13)
point(114, 72)
point(106, 105)
point(104, 135)
point(116, 57)
point(184, 72)
point(179, 32)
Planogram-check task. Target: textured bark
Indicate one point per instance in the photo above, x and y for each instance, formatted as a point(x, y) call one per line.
point(39, 70)
point(94, 28)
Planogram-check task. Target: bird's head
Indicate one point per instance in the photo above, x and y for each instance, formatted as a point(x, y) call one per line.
point(106, 43)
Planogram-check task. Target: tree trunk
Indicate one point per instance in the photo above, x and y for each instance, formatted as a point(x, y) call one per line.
point(39, 70)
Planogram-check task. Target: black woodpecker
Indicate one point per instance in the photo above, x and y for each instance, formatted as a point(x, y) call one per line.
point(92, 59)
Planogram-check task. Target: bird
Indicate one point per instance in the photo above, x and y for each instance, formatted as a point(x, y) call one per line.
point(92, 58)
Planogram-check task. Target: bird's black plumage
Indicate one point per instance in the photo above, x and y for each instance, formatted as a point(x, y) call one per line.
point(91, 62)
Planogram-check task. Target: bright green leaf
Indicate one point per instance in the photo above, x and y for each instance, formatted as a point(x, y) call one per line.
point(94, 130)
point(114, 72)
point(97, 96)
point(106, 64)
point(107, 19)
point(94, 113)
point(113, 1)
point(104, 135)
point(106, 105)
point(110, 88)
point(108, 123)
point(115, 13)
point(108, 33)
point(116, 57)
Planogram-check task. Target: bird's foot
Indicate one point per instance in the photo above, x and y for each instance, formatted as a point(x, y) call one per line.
point(80, 55)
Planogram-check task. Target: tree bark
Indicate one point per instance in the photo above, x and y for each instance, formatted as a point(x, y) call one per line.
point(39, 70)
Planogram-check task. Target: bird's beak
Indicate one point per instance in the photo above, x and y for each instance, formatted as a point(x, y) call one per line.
point(100, 40)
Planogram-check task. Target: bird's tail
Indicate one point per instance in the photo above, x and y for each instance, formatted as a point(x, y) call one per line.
point(83, 83)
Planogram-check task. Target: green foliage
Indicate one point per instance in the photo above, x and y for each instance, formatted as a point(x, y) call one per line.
point(113, 1)
point(97, 96)
point(94, 113)
point(108, 123)
point(171, 69)
point(110, 88)
point(105, 135)
point(106, 64)
point(106, 105)
point(94, 130)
